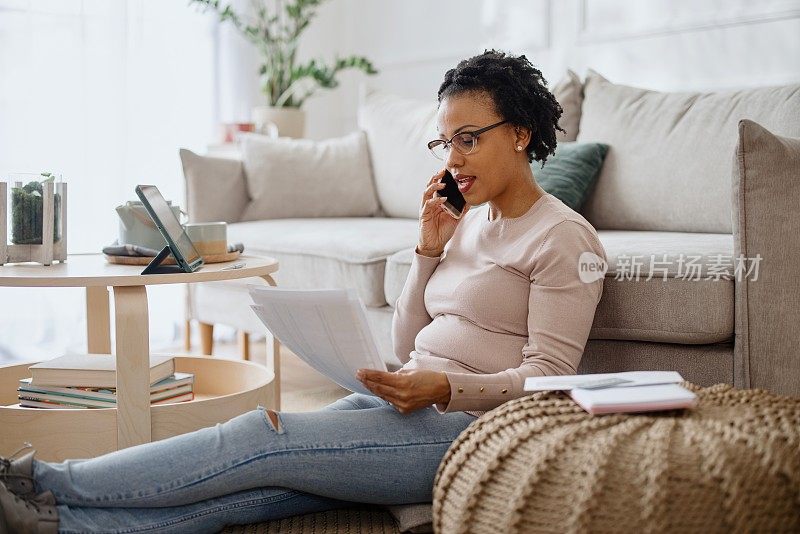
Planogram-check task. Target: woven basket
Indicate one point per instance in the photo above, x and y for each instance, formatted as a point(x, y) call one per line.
point(542, 464)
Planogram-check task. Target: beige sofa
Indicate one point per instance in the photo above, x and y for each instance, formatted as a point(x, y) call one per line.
point(669, 192)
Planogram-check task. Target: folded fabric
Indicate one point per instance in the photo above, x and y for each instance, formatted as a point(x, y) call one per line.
point(115, 249)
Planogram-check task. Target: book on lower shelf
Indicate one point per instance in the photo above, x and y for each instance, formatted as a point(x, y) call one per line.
point(93, 370)
point(178, 387)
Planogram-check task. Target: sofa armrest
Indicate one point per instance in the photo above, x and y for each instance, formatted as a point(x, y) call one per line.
point(215, 187)
point(766, 190)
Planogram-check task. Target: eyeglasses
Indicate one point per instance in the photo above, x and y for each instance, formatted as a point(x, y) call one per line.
point(463, 142)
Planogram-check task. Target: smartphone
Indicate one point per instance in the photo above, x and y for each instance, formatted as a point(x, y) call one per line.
point(455, 200)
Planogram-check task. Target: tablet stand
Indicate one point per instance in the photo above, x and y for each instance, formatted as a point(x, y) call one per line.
point(155, 267)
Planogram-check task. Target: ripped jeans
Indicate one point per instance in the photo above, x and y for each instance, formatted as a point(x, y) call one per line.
point(247, 470)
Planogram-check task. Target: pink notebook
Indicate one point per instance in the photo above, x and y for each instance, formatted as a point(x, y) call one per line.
point(634, 399)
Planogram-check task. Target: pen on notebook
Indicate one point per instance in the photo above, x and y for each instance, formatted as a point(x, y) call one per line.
point(234, 266)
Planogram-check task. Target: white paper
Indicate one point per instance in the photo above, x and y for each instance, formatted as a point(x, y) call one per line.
point(326, 328)
point(568, 382)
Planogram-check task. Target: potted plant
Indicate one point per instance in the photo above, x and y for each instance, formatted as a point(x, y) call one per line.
point(286, 83)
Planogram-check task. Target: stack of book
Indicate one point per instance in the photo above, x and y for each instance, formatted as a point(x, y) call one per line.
point(628, 392)
point(89, 381)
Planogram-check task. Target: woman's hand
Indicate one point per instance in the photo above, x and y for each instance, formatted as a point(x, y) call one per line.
point(436, 225)
point(408, 389)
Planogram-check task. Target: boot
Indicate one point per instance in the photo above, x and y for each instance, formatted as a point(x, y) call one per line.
point(17, 473)
point(35, 515)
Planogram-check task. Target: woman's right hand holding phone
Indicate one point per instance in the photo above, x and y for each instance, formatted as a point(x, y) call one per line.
point(436, 225)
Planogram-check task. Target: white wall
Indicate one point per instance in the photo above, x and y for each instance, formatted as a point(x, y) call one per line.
point(660, 44)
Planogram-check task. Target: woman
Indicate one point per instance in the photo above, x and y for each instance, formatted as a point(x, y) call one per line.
point(492, 297)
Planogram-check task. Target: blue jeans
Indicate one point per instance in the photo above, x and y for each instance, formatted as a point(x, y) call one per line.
point(358, 449)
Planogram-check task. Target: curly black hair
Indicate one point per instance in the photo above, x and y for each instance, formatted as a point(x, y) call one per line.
point(519, 92)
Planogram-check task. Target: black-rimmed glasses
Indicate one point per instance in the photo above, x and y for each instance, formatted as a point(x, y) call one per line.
point(463, 142)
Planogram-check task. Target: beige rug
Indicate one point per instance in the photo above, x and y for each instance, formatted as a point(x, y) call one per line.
point(350, 521)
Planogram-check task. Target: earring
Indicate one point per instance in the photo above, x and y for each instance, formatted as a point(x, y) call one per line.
point(519, 148)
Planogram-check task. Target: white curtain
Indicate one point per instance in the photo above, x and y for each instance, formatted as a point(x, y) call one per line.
point(104, 93)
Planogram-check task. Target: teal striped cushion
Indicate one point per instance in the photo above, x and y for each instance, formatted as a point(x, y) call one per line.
point(570, 173)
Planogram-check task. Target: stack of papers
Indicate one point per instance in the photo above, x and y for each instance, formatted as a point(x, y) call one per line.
point(634, 391)
point(326, 328)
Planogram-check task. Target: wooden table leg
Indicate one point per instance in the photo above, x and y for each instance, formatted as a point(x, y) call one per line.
point(98, 320)
point(244, 344)
point(187, 336)
point(206, 339)
point(133, 366)
point(274, 357)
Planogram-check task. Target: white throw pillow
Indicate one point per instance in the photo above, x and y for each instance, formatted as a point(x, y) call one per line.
point(569, 93)
point(398, 130)
point(215, 187)
point(289, 178)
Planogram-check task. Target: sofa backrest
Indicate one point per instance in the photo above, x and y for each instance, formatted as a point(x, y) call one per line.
point(669, 165)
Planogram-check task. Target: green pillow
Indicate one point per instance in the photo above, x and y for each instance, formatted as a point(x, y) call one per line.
point(570, 173)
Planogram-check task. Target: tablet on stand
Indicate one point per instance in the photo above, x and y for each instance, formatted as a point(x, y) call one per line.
point(179, 245)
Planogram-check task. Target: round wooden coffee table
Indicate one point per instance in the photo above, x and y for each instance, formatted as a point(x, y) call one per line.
point(223, 389)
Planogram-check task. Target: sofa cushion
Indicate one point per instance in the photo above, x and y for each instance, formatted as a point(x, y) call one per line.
point(706, 364)
point(669, 165)
point(679, 254)
point(304, 178)
point(689, 298)
point(328, 253)
point(571, 172)
point(223, 176)
point(569, 93)
point(398, 131)
point(667, 311)
point(398, 266)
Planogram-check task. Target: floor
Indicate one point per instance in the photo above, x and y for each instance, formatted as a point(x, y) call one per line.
point(304, 389)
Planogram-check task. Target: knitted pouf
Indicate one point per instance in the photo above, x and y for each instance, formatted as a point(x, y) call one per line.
point(542, 464)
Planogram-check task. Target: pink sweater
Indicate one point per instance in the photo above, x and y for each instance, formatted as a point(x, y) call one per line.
point(502, 303)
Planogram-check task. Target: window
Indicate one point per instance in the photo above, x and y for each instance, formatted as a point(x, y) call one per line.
point(103, 93)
